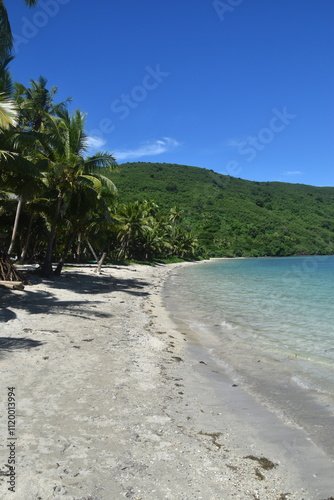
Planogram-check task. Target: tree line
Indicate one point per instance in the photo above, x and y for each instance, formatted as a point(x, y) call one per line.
point(56, 201)
point(234, 217)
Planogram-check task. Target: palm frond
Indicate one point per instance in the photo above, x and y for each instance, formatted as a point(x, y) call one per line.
point(8, 112)
point(5, 156)
point(102, 162)
point(100, 182)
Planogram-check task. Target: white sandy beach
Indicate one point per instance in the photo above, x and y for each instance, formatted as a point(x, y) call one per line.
point(114, 401)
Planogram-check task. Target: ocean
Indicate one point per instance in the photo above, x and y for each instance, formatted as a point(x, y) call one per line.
point(269, 324)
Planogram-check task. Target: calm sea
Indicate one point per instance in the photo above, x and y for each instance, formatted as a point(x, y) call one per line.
point(269, 322)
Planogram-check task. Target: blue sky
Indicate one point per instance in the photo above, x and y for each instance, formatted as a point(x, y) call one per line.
point(242, 87)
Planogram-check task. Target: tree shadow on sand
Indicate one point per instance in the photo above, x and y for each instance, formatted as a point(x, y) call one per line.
point(84, 283)
point(8, 344)
point(45, 301)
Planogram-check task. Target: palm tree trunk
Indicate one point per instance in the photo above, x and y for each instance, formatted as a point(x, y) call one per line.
point(100, 262)
point(16, 223)
point(26, 244)
point(65, 252)
point(92, 250)
point(79, 248)
point(46, 270)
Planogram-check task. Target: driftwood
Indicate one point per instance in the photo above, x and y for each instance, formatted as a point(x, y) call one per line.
point(14, 285)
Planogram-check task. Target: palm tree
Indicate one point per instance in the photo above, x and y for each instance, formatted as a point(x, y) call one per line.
point(8, 111)
point(63, 147)
point(135, 222)
point(6, 37)
point(186, 244)
point(86, 210)
point(36, 103)
point(25, 186)
point(175, 215)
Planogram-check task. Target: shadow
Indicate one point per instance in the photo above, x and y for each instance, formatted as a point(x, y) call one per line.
point(84, 283)
point(6, 315)
point(45, 301)
point(9, 344)
point(12, 343)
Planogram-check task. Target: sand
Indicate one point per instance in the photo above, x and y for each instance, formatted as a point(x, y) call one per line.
point(113, 400)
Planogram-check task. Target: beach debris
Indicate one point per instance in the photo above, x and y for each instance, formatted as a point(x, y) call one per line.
point(214, 437)
point(177, 358)
point(259, 474)
point(234, 385)
point(14, 285)
point(203, 362)
point(265, 463)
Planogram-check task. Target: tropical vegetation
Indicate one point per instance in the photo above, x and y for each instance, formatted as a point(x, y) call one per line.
point(235, 217)
point(59, 203)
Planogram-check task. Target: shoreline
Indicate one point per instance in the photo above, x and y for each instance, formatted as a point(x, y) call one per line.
point(265, 373)
point(114, 401)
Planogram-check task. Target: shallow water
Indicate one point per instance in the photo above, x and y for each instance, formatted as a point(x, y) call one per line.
point(269, 322)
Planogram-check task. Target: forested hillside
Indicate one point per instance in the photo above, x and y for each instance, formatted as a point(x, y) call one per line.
point(236, 217)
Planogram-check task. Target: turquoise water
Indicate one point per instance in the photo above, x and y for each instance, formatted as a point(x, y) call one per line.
point(272, 321)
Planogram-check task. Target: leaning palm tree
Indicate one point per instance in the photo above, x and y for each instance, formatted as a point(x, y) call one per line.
point(63, 147)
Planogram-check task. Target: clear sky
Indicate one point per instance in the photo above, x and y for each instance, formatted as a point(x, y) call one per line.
point(242, 87)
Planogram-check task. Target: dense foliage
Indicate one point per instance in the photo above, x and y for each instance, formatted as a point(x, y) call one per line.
point(236, 217)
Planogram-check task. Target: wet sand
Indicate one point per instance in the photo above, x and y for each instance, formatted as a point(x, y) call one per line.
point(114, 400)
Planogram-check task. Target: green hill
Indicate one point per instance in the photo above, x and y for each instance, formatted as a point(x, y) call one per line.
point(236, 217)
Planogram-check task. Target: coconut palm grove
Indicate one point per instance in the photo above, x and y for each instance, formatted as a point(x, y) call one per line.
point(57, 204)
